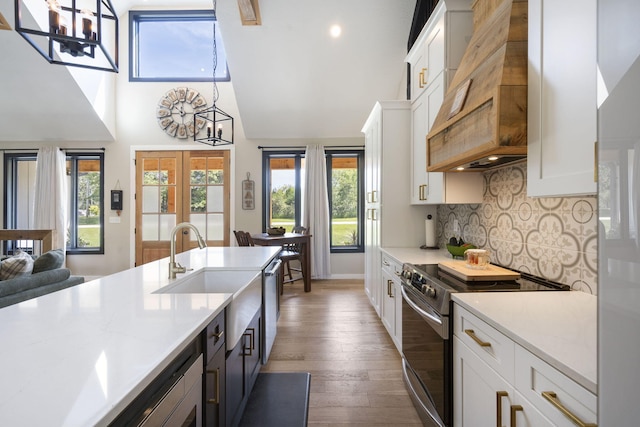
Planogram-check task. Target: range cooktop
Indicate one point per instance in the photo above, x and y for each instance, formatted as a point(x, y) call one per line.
point(526, 282)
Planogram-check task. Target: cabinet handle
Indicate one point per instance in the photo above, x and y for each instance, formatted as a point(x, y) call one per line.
point(499, 396)
point(421, 80)
point(389, 284)
point(251, 345)
point(552, 397)
point(253, 341)
point(216, 400)
point(217, 336)
point(473, 336)
point(514, 410)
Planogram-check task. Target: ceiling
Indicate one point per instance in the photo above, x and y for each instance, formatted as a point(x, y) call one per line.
point(291, 79)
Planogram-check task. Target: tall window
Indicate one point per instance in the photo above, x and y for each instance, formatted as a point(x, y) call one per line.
point(86, 193)
point(283, 194)
point(283, 182)
point(345, 184)
point(174, 46)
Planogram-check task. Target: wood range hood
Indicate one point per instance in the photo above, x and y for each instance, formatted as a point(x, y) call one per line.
point(482, 122)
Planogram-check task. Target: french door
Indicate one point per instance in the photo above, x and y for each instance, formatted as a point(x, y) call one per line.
point(180, 186)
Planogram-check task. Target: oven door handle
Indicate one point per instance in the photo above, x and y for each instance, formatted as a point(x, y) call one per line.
point(433, 317)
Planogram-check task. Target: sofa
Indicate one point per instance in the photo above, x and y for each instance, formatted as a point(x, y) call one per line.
point(45, 275)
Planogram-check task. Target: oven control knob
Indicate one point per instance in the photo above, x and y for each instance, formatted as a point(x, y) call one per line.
point(429, 291)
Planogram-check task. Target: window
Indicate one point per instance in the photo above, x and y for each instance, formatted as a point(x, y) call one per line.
point(282, 188)
point(86, 195)
point(171, 46)
point(345, 187)
point(283, 195)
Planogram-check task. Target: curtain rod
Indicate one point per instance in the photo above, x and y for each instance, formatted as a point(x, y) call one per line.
point(62, 149)
point(276, 147)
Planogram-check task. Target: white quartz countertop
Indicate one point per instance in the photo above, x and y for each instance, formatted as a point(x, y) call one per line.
point(417, 255)
point(558, 327)
point(79, 356)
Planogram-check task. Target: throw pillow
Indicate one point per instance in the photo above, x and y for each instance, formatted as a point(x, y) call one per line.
point(20, 264)
point(49, 261)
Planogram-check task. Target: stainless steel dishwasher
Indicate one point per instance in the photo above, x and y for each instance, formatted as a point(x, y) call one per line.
point(270, 294)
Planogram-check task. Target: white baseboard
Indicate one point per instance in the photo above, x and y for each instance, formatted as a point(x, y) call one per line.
point(347, 277)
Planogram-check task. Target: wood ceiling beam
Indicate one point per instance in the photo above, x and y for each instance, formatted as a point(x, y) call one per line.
point(249, 12)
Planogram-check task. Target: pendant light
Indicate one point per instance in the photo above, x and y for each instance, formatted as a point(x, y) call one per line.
point(78, 33)
point(216, 125)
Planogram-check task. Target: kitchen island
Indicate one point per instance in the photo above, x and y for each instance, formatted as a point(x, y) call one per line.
point(79, 356)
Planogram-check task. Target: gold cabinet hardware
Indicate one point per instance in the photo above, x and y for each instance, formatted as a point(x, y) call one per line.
point(552, 397)
point(473, 336)
point(389, 285)
point(217, 336)
point(215, 400)
point(422, 194)
point(514, 411)
point(499, 396)
point(422, 82)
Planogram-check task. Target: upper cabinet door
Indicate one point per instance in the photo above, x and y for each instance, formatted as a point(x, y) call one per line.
point(562, 98)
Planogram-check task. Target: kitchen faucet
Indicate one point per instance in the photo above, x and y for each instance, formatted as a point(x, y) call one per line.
point(175, 267)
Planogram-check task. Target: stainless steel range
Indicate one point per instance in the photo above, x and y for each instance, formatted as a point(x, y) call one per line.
point(427, 348)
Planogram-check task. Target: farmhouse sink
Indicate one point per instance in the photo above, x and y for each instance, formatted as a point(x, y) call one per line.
point(246, 287)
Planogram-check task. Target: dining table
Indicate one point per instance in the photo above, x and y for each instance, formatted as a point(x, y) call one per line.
point(265, 239)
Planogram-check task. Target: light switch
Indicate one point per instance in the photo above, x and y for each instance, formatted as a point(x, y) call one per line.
point(114, 219)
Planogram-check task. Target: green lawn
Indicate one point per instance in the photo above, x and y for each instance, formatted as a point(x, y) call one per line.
point(342, 231)
point(90, 235)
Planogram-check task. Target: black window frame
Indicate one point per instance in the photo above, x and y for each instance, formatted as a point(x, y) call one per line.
point(297, 155)
point(136, 16)
point(10, 189)
point(359, 154)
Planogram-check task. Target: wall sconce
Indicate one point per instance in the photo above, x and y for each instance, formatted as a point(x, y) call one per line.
point(72, 36)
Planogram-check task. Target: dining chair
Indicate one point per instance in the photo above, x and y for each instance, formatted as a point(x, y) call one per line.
point(292, 252)
point(243, 238)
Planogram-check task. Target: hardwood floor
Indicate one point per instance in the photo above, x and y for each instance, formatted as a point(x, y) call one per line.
point(333, 332)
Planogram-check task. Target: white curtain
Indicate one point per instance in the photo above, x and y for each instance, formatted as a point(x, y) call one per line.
point(50, 200)
point(316, 211)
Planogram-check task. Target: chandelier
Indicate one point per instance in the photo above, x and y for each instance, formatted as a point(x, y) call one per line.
point(218, 124)
point(71, 32)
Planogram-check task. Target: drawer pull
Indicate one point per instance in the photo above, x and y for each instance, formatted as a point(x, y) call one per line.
point(552, 397)
point(389, 287)
point(473, 336)
point(514, 410)
point(499, 396)
point(217, 336)
point(216, 400)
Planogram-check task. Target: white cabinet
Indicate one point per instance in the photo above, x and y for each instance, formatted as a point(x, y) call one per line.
point(390, 220)
point(494, 377)
point(562, 98)
point(434, 58)
point(391, 312)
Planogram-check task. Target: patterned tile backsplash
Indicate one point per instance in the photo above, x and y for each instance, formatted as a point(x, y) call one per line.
point(555, 238)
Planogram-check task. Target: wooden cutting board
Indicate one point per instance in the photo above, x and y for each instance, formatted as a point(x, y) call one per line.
point(459, 269)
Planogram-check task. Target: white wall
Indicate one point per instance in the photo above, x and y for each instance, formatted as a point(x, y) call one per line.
point(137, 129)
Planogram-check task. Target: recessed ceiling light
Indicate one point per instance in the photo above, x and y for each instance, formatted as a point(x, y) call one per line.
point(460, 168)
point(335, 31)
point(492, 158)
